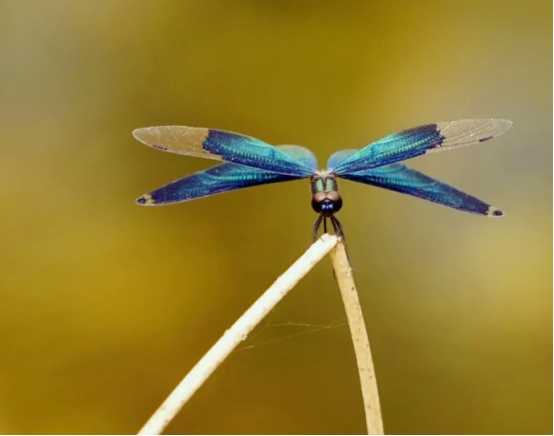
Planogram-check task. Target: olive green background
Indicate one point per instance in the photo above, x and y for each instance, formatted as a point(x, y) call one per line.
point(106, 305)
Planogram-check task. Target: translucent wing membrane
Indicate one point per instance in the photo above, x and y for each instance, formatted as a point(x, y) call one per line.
point(410, 143)
point(223, 146)
point(338, 157)
point(223, 178)
point(399, 178)
point(302, 155)
point(176, 139)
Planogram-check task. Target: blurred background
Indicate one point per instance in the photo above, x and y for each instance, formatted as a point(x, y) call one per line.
point(107, 305)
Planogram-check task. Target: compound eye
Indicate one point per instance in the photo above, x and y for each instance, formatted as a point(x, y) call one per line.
point(317, 201)
point(316, 206)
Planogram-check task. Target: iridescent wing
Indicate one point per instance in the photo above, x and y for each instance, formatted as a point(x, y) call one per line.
point(223, 146)
point(400, 178)
point(224, 178)
point(410, 143)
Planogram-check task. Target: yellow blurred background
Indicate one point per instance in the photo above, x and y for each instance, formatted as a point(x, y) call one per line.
point(106, 305)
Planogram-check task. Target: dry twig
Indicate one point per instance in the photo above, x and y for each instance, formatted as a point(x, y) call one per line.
point(368, 382)
point(235, 335)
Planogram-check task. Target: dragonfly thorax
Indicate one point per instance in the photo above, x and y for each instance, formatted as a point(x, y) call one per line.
point(326, 200)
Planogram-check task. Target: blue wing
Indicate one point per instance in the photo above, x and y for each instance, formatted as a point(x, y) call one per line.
point(399, 178)
point(417, 141)
point(223, 178)
point(225, 146)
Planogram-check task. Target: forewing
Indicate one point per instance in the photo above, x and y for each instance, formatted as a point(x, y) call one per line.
point(399, 178)
point(222, 145)
point(223, 178)
point(421, 140)
point(176, 139)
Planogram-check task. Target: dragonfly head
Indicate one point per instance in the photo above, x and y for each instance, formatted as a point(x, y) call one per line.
point(326, 199)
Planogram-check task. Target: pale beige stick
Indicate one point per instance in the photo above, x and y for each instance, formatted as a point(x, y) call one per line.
point(236, 334)
point(368, 382)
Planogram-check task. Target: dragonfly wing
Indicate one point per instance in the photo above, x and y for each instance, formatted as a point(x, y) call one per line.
point(223, 146)
point(216, 180)
point(223, 178)
point(400, 178)
point(338, 157)
point(304, 156)
point(421, 140)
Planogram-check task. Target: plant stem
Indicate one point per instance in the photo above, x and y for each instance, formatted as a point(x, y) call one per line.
point(368, 382)
point(236, 334)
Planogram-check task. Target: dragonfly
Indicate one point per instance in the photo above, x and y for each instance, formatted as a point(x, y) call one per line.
point(247, 161)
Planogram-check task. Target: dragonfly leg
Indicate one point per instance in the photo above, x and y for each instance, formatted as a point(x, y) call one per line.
point(337, 226)
point(340, 233)
point(316, 227)
point(325, 225)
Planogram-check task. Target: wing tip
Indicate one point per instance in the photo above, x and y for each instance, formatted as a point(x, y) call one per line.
point(141, 134)
point(503, 124)
point(468, 131)
point(173, 138)
point(145, 200)
point(494, 212)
